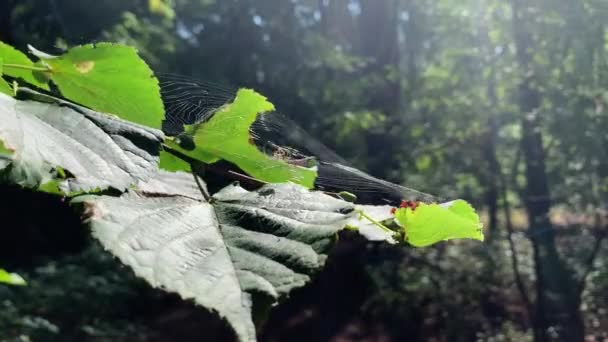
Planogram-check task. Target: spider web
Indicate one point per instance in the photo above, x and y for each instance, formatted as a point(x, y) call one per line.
point(189, 101)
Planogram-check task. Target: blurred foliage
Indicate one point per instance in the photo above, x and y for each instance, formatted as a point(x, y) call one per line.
point(421, 93)
point(72, 298)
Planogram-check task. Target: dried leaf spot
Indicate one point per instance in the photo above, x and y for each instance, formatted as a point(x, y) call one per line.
point(91, 211)
point(84, 67)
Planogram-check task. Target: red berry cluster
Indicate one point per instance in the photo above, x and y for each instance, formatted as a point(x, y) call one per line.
point(406, 204)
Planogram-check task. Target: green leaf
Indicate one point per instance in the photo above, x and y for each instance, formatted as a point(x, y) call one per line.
point(5, 156)
point(109, 78)
point(4, 150)
point(235, 256)
point(431, 223)
point(16, 64)
point(423, 162)
point(172, 163)
point(226, 136)
point(4, 86)
point(11, 278)
point(162, 8)
point(64, 147)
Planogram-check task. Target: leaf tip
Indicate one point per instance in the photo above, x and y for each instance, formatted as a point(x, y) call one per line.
point(38, 53)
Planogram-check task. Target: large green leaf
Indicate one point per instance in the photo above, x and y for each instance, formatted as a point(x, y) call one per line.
point(18, 65)
point(11, 278)
point(73, 149)
point(243, 250)
point(431, 223)
point(109, 78)
point(226, 136)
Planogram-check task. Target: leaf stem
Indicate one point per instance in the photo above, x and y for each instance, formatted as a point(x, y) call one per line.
point(370, 219)
point(201, 187)
point(25, 67)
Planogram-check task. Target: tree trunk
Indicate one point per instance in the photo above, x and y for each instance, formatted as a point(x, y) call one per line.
point(379, 43)
point(378, 32)
point(557, 313)
point(488, 147)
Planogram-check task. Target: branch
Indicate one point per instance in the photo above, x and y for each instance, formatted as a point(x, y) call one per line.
point(201, 187)
point(513, 175)
point(514, 258)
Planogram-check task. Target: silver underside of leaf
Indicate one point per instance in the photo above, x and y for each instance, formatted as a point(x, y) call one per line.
point(221, 255)
point(97, 150)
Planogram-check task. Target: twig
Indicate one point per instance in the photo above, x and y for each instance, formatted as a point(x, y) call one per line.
point(202, 188)
point(372, 220)
point(514, 258)
point(240, 175)
point(513, 178)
